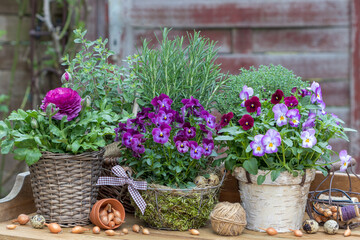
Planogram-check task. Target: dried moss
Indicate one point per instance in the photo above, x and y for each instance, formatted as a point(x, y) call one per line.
point(175, 210)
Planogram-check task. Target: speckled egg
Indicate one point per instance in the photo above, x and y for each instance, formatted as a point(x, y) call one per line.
point(213, 180)
point(331, 227)
point(200, 181)
point(37, 221)
point(310, 226)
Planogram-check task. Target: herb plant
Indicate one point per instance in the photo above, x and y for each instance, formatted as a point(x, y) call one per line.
point(282, 133)
point(179, 71)
point(166, 147)
point(264, 81)
point(91, 74)
point(64, 124)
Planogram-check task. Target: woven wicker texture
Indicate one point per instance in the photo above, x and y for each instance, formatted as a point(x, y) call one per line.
point(64, 186)
point(228, 219)
point(120, 193)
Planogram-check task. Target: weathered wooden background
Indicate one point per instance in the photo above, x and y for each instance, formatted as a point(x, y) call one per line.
point(318, 40)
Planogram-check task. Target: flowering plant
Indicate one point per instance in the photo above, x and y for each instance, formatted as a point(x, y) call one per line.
point(65, 123)
point(166, 147)
point(284, 133)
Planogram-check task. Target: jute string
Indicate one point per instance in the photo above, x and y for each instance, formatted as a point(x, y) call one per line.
point(228, 219)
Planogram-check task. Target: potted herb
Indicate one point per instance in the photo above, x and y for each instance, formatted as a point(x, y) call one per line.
point(173, 152)
point(275, 143)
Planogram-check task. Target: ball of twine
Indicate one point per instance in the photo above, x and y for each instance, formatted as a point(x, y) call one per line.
point(228, 219)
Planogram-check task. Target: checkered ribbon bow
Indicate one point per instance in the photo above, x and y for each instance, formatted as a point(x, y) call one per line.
point(133, 186)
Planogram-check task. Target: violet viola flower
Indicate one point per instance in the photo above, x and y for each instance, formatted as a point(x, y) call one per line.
point(271, 141)
point(165, 116)
point(66, 100)
point(225, 119)
point(294, 117)
point(196, 151)
point(208, 134)
point(304, 92)
point(208, 146)
point(310, 122)
point(136, 146)
point(317, 96)
point(345, 160)
point(190, 132)
point(162, 101)
point(257, 147)
point(252, 104)
point(161, 135)
point(258, 111)
point(182, 144)
point(210, 119)
point(192, 104)
point(280, 111)
point(246, 122)
point(128, 137)
point(329, 147)
point(277, 96)
point(245, 94)
point(291, 101)
point(308, 137)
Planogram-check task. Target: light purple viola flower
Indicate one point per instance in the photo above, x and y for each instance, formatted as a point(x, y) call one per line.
point(322, 110)
point(280, 111)
point(161, 134)
point(196, 151)
point(208, 146)
point(294, 117)
point(258, 111)
point(317, 96)
point(257, 147)
point(162, 101)
point(345, 160)
point(210, 119)
point(245, 94)
point(182, 145)
point(310, 122)
point(136, 146)
point(308, 137)
point(271, 141)
point(190, 132)
point(329, 147)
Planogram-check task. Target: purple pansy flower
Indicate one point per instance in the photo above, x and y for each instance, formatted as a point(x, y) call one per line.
point(304, 92)
point(257, 146)
point(317, 96)
point(345, 160)
point(162, 101)
point(208, 134)
point(182, 144)
point(190, 132)
point(258, 111)
point(208, 146)
point(277, 96)
point(246, 122)
point(245, 94)
point(210, 119)
point(66, 100)
point(165, 116)
point(193, 105)
point(280, 111)
point(196, 151)
point(136, 146)
point(308, 137)
point(310, 122)
point(271, 141)
point(294, 117)
point(161, 134)
point(252, 104)
point(291, 101)
point(128, 137)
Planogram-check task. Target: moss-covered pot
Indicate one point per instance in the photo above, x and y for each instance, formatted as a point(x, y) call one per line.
point(178, 209)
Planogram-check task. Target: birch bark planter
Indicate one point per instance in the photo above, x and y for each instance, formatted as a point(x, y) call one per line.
point(279, 204)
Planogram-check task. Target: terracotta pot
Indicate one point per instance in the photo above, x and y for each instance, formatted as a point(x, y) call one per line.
point(95, 212)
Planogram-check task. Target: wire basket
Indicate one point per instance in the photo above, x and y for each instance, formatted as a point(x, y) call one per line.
point(178, 209)
point(335, 204)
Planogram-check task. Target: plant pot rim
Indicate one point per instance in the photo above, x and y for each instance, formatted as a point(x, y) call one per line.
point(285, 178)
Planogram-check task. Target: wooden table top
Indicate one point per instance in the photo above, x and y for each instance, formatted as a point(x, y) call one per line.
point(26, 232)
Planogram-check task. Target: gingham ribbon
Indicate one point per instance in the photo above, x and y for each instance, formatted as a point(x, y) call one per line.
point(133, 186)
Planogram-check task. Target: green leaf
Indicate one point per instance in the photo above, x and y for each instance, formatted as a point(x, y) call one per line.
point(260, 179)
point(350, 130)
point(75, 146)
point(32, 156)
point(224, 138)
point(6, 146)
point(251, 166)
point(248, 148)
point(288, 142)
point(312, 107)
point(274, 175)
point(229, 129)
point(317, 149)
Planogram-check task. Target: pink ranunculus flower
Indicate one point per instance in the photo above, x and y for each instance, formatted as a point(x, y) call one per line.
point(66, 100)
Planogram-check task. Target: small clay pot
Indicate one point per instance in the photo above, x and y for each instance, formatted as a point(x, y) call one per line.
point(95, 212)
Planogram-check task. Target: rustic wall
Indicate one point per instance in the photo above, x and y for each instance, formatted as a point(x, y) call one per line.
point(313, 38)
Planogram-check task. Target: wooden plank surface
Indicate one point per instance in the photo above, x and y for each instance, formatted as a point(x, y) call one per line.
point(234, 13)
point(27, 232)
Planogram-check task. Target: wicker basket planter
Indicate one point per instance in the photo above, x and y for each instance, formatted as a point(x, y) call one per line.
point(64, 186)
point(279, 204)
point(178, 209)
